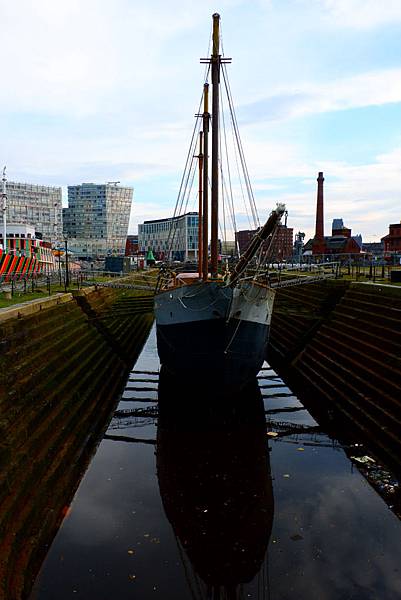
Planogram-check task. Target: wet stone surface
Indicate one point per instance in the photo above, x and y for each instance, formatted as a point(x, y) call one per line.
point(254, 503)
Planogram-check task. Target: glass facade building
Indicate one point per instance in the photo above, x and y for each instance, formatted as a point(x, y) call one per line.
point(96, 220)
point(36, 205)
point(175, 238)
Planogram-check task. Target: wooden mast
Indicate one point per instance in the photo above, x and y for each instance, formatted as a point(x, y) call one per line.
point(200, 205)
point(215, 145)
point(205, 213)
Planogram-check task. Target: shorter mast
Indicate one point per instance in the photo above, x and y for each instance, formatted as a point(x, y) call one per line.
point(200, 209)
point(205, 215)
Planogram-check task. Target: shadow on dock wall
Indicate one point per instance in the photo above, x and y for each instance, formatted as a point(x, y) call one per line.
point(61, 371)
point(339, 347)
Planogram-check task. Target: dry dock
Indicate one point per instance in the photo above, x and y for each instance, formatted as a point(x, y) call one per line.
point(63, 361)
point(340, 343)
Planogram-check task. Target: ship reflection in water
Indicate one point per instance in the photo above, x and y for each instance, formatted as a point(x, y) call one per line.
point(177, 502)
point(215, 484)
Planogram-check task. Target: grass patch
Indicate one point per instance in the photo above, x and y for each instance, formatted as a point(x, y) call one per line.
point(43, 292)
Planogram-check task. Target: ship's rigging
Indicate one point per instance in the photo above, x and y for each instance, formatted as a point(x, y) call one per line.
point(229, 176)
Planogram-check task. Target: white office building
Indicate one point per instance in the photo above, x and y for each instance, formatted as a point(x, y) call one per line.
point(175, 238)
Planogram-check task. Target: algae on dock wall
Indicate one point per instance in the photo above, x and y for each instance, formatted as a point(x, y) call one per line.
point(61, 371)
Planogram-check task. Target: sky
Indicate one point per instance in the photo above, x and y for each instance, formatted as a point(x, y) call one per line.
point(96, 91)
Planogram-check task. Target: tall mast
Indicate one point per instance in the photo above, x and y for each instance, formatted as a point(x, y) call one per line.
point(200, 209)
point(205, 214)
point(215, 145)
point(4, 209)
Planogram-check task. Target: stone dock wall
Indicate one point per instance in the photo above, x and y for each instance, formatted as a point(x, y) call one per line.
point(63, 362)
point(339, 344)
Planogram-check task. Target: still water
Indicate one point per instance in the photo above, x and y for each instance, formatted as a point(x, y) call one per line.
point(252, 501)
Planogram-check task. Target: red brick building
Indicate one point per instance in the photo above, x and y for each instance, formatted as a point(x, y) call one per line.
point(339, 243)
point(282, 245)
point(131, 245)
point(243, 238)
point(392, 241)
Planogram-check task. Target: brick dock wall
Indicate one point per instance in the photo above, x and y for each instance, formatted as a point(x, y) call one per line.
point(339, 345)
point(63, 363)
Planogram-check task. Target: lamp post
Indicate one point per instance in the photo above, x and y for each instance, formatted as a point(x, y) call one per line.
point(67, 276)
point(4, 209)
point(59, 264)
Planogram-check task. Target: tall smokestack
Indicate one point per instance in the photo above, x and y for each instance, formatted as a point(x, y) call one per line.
point(319, 232)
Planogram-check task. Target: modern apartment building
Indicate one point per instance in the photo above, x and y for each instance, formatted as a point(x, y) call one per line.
point(96, 220)
point(36, 205)
point(175, 237)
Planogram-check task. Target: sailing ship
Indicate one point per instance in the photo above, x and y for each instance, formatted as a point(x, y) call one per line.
point(209, 318)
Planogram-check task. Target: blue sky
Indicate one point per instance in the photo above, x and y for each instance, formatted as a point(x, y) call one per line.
point(100, 91)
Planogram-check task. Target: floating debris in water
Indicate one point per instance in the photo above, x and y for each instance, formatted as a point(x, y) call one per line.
point(363, 459)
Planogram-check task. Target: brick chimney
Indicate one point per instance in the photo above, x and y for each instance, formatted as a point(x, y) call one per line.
point(318, 246)
point(319, 232)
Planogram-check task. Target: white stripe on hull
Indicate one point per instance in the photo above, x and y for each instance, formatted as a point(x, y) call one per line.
point(205, 301)
point(252, 303)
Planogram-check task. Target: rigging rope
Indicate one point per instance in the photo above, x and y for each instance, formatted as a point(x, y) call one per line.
point(230, 195)
point(189, 161)
point(240, 148)
point(227, 194)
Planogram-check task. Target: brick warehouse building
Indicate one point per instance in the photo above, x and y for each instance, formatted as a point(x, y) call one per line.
point(131, 245)
point(282, 244)
point(392, 241)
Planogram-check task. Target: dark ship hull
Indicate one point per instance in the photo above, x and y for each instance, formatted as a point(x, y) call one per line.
point(209, 326)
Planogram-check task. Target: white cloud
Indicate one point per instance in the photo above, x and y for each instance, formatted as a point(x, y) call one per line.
point(367, 196)
point(360, 14)
point(84, 57)
point(371, 88)
point(117, 80)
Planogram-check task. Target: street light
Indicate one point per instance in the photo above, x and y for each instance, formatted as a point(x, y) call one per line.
point(67, 277)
